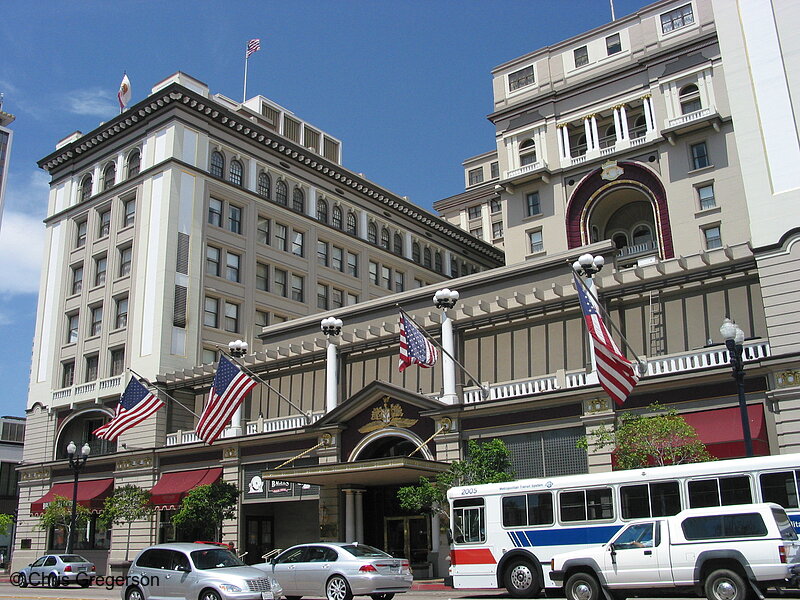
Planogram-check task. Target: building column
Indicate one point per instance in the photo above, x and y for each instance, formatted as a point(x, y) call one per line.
point(565, 133)
point(595, 135)
point(359, 501)
point(623, 117)
point(407, 245)
point(448, 366)
point(648, 116)
point(617, 125)
point(311, 207)
point(349, 516)
point(587, 131)
point(560, 138)
point(362, 224)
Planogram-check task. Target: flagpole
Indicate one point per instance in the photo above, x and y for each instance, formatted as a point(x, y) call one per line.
point(484, 390)
point(160, 391)
point(244, 93)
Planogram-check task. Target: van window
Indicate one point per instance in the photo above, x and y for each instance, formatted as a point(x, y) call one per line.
point(724, 526)
point(780, 488)
point(661, 499)
point(784, 524)
point(469, 521)
point(723, 491)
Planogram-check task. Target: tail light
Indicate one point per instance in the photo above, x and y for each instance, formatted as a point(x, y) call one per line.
point(782, 553)
point(68, 569)
point(93, 568)
point(367, 569)
point(405, 566)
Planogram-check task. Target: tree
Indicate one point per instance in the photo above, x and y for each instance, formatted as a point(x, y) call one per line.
point(5, 523)
point(664, 438)
point(58, 515)
point(486, 462)
point(129, 503)
point(206, 506)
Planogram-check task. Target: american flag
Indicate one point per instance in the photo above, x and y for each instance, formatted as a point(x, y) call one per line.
point(414, 346)
point(230, 387)
point(253, 46)
point(616, 373)
point(136, 404)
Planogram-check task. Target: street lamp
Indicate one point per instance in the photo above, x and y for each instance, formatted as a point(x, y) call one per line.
point(734, 337)
point(331, 326)
point(588, 265)
point(238, 348)
point(445, 298)
point(76, 463)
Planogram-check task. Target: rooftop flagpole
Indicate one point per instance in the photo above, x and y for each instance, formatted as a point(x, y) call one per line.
point(253, 45)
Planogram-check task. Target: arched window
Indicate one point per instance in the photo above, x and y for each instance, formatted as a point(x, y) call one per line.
point(464, 269)
point(86, 188)
point(235, 173)
point(264, 185)
point(639, 127)
point(620, 240)
point(438, 262)
point(453, 267)
point(217, 164)
point(641, 235)
point(322, 210)
point(352, 229)
point(397, 246)
point(689, 97)
point(134, 163)
point(337, 217)
point(415, 252)
point(609, 136)
point(298, 200)
point(580, 147)
point(385, 238)
point(426, 258)
point(281, 193)
point(372, 233)
point(109, 175)
point(527, 152)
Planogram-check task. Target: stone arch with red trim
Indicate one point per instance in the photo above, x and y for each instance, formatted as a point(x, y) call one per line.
point(593, 188)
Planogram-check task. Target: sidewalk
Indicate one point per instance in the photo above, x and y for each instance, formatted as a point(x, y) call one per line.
point(423, 585)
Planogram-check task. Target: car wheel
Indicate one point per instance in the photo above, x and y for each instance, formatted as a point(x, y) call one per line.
point(23, 581)
point(52, 580)
point(582, 586)
point(724, 584)
point(381, 596)
point(83, 583)
point(134, 593)
point(209, 595)
point(521, 580)
point(337, 588)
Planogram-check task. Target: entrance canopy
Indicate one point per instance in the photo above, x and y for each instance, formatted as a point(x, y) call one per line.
point(379, 471)
point(173, 487)
point(91, 494)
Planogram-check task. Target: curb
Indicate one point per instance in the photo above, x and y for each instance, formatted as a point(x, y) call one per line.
point(431, 585)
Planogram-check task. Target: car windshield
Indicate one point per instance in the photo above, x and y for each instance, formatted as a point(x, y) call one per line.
point(214, 558)
point(72, 558)
point(364, 551)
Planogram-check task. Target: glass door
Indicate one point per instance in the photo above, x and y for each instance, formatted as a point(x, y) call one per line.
point(258, 535)
point(409, 537)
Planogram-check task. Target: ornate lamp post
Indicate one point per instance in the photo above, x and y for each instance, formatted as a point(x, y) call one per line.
point(332, 328)
point(76, 463)
point(734, 337)
point(238, 348)
point(446, 299)
point(587, 266)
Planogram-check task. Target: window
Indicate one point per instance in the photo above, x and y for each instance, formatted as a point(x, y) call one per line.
point(211, 312)
point(91, 367)
point(67, 373)
point(86, 188)
point(495, 206)
point(613, 44)
point(280, 282)
point(587, 505)
point(705, 194)
point(352, 264)
point(535, 241)
point(125, 261)
point(528, 509)
point(72, 328)
point(109, 175)
point(675, 19)
point(337, 217)
point(384, 238)
point(215, 212)
point(438, 262)
point(232, 270)
point(722, 491)
point(217, 164)
point(298, 241)
point(96, 325)
point(581, 56)
point(527, 152)
point(100, 266)
point(262, 318)
point(121, 316)
point(209, 357)
point(322, 296)
point(426, 258)
point(77, 279)
point(477, 232)
point(352, 228)
point(494, 169)
point(699, 155)
point(532, 204)
point(416, 253)
point(780, 488)
point(352, 299)
point(689, 97)
point(134, 163)
point(281, 236)
point(475, 176)
point(298, 200)
point(235, 172)
point(80, 236)
point(399, 281)
point(337, 298)
point(262, 230)
point(373, 273)
point(262, 277)
point(724, 526)
point(298, 288)
point(372, 233)
point(713, 237)
point(234, 219)
point(453, 267)
point(322, 253)
point(322, 210)
point(521, 78)
point(497, 229)
point(281, 193)
point(474, 212)
point(469, 521)
point(397, 246)
point(117, 366)
point(386, 277)
point(130, 213)
point(231, 317)
point(264, 185)
point(337, 259)
point(650, 500)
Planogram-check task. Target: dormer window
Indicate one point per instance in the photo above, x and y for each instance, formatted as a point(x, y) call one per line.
point(520, 79)
point(476, 176)
point(689, 97)
point(527, 152)
point(613, 44)
point(581, 56)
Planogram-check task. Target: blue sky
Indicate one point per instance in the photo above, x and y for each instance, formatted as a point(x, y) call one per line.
point(406, 86)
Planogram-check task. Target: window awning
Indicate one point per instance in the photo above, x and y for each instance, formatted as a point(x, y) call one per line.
point(168, 492)
point(91, 494)
point(721, 430)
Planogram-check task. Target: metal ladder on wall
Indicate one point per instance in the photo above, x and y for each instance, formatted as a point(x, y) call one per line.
point(656, 325)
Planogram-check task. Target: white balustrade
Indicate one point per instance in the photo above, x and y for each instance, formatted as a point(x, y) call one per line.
point(251, 428)
point(535, 166)
point(689, 117)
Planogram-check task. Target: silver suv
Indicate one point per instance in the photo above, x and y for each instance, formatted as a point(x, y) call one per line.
point(195, 571)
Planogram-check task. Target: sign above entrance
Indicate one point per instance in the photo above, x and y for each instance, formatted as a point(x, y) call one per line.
point(387, 415)
point(611, 170)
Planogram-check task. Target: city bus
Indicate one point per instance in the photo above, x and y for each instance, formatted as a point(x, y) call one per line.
point(504, 534)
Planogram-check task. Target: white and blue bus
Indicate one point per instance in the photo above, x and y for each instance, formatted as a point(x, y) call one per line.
point(504, 534)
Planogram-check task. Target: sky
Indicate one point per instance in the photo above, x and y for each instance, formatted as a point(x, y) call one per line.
point(404, 84)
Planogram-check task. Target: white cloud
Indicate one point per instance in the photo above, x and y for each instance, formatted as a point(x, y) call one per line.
point(97, 102)
point(21, 249)
point(28, 192)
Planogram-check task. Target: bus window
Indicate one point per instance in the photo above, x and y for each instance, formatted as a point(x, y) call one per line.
point(650, 500)
point(514, 511)
point(665, 499)
point(540, 509)
point(635, 501)
point(724, 491)
point(586, 505)
point(469, 521)
point(780, 488)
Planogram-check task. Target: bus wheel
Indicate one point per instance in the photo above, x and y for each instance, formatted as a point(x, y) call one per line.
point(582, 586)
point(521, 579)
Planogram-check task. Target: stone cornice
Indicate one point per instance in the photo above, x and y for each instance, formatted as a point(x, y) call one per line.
point(242, 125)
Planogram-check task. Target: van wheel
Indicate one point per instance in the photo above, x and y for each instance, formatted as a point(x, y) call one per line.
point(582, 586)
point(724, 584)
point(521, 580)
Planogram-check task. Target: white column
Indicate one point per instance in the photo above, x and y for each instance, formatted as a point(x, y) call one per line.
point(407, 243)
point(252, 174)
point(560, 138)
point(648, 115)
point(236, 422)
point(359, 501)
point(448, 365)
point(349, 517)
point(362, 224)
point(448, 258)
point(331, 376)
point(311, 206)
point(587, 131)
point(595, 135)
point(96, 183)
point(617, 125)
point(623, 117)
point(121, 167)
point(565, 133)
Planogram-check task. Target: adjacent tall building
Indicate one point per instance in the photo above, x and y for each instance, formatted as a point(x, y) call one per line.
point(6, 136)
point(209, 220)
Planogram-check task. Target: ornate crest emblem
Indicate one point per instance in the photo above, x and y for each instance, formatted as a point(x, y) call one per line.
point(387, 415)
point(611, 170)
point(256, 485)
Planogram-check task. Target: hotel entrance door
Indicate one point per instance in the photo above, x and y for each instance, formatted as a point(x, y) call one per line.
point(409, 537)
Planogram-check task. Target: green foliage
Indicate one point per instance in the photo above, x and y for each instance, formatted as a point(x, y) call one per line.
point(5, 523)
point(664, 438)
point(129, 503)
point(486, 462)
point(206, 506)
point(58, 515)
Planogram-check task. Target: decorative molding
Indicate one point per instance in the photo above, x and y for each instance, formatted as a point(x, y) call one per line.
point(790, 378)
point(230, 452)
point(594, 406)
point(387, 415)
point(134, 462)
point(35, 475)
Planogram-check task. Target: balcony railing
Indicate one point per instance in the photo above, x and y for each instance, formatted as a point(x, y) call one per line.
point(689, 117)
point(251, 428)
point(89, 390)
point(634, 249)
point(531, 168)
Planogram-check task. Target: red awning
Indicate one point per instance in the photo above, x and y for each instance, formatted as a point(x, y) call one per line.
point(172, 487)
point(721, 430)
point(91, 494)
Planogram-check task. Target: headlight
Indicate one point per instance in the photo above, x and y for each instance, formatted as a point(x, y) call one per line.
point(229, 587)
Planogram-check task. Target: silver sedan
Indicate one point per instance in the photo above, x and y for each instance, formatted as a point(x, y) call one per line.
point(339, 571)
